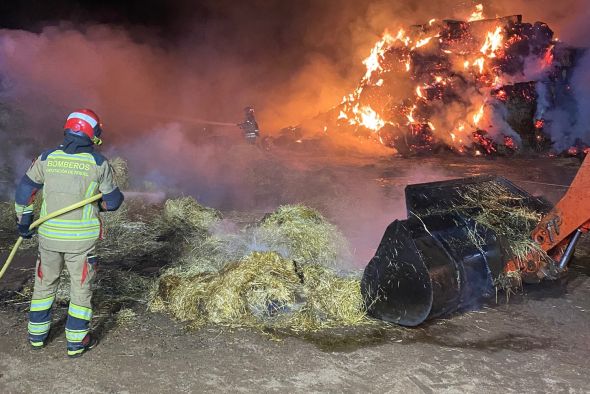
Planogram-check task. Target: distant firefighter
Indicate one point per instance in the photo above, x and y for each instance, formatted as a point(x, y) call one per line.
point(250, 126)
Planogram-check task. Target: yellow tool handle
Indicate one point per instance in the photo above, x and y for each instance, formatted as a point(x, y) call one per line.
point(39, 221)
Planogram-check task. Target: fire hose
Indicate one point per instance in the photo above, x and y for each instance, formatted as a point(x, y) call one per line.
point(40, 221)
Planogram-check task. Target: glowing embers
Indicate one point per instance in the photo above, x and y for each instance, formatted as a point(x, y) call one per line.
point(481, 140)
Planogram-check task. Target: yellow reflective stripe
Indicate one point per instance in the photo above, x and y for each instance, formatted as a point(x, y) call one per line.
point(75, 157)
point(64, 232)
point(19, 208)
point(75, 335)
point(89, 193)
point(80, 312)
point(38, 328)
point(73, 225)
point(42, 304)
point(37, 344)
point(73, 352)
point(69, 236)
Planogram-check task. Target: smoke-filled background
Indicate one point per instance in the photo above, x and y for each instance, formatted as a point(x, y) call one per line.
point(153, 69)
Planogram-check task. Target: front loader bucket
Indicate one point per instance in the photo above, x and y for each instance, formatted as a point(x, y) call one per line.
point(438, 261)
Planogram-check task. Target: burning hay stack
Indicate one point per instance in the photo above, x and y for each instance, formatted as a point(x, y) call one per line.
point(480, 86)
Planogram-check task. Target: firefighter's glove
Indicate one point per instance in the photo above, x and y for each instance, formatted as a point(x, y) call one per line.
point(24, 224)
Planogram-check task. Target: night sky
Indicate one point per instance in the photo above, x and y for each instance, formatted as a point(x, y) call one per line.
point(168, 17)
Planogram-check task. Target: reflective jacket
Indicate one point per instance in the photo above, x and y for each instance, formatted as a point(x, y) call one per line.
point(67, 178)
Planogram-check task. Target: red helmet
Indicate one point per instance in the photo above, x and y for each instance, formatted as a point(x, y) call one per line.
point(84, 122)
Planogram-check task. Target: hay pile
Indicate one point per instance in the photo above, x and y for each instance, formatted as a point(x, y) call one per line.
point(276, 274)
point(305, 234)
point(7, 223)
point(263, 290)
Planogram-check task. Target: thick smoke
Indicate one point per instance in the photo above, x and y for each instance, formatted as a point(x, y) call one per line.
point(290, 60)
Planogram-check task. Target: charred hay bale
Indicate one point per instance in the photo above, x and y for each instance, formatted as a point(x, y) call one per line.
point(521, 105)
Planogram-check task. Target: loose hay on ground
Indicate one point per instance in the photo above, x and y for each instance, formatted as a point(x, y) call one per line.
point(126, 317)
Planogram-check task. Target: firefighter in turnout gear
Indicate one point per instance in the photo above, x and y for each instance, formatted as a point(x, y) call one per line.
point(68, 174)
point(250, 126)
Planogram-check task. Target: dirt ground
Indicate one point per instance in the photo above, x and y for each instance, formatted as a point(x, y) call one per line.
point(538, 341)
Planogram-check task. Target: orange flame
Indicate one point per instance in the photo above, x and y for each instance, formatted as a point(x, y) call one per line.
point(494, 41)
point(478, 115)
point(479, 63)
point(422, 42)
point(419, 92)
point(372, 62)
point(408, 65)
point(368, 118)
point(410, 115)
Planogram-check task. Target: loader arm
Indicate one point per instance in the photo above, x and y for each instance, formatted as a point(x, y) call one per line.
point(569, 216)
point(558, 231)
